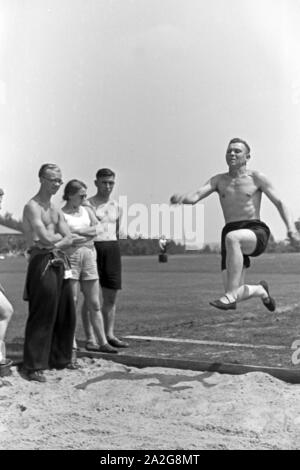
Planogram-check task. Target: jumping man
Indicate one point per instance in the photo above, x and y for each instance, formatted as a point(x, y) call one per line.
point(240, 192)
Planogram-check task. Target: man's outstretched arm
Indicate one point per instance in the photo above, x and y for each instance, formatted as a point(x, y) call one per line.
point(268, 189)
point(192, 198)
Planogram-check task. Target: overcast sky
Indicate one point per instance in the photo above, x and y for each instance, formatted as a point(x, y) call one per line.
point(153, 89)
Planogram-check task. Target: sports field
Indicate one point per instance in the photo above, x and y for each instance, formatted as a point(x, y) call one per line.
point(170, 301)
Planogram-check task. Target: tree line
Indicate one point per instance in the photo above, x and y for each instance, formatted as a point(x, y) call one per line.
point(131, 246)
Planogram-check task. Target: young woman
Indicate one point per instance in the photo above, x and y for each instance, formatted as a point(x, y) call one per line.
point(84, 227)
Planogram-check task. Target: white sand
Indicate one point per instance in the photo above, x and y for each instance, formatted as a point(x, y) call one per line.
point(152, 408)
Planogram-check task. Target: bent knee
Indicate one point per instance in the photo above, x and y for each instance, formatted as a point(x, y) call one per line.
point(109, 303)
point(245, 241)
point(6, 312)
point(109, 297)
point(94, 307)
point(10, 311)
point(232, 239)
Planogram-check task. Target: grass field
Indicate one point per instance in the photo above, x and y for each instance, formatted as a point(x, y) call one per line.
point(170, 300)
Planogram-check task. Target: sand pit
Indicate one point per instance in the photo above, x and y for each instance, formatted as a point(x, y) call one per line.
point(109, 406)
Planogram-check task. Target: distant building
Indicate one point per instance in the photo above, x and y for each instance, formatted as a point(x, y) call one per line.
point(9, 231)
point(10, 239)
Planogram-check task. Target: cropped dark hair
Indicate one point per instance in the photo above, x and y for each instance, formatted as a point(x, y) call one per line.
point(105, 173)
point(237, 140)
point(47, 166)
point(72, 187)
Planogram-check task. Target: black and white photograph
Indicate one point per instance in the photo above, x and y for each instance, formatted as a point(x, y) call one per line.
point(149, 227)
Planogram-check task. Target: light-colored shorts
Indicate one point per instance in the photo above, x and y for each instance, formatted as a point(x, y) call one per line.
point(84, 264)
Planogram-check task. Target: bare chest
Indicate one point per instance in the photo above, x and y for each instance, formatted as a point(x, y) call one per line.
point(107, 213)
point(49, 216)
point(239, 189)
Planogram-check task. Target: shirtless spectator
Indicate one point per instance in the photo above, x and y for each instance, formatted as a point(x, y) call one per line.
point(50, 325)
point(107, 247)
point(240, 191)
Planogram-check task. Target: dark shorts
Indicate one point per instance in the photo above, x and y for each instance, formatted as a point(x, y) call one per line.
point(261, 231)
point(109, 264)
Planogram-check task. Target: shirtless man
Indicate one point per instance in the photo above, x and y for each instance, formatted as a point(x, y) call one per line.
point(240, 191)
point(50, 325)
point(6, 312)
point(107, 246)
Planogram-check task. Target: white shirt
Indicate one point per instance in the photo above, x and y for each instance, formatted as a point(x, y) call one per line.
point(79, 220)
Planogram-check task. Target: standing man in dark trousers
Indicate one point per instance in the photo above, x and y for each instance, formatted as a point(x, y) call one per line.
point(50, 325)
